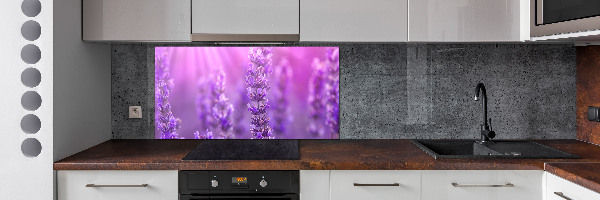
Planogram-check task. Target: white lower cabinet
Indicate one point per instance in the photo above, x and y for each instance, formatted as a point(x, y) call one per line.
point(117, 185)
point(314, 184)
point(561, 189)
point(340, 185)
point(375, 185)
point(482, 184)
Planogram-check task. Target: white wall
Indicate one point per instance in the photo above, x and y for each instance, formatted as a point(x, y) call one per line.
point(24, 177)
point(75, 93)
point(82, 84)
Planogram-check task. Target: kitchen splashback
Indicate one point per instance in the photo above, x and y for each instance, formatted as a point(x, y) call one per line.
point(407, 90)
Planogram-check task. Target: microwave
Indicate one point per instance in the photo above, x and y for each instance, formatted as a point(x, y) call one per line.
point(564, 17)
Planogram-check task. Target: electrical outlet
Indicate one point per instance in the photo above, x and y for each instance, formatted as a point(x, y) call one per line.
point(135, 112)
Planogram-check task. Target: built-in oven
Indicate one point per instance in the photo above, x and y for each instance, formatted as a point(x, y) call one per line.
point(234, 185)
point(554, 17)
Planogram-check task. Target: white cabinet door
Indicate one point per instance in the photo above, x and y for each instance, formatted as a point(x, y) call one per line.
point(561, 189)
point(136, 20)
point(117, 185)
point(314, 184)
point(227, 17)
point(354, 20)
point(482, 184)
point(375, 185)
point(468, 20)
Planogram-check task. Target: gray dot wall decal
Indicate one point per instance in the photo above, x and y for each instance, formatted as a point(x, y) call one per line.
point(31, 54)
point(31, 30)
point(31, 8)
point(31, 77)
point(31, 147)
point(31, 100)
point(30, 124)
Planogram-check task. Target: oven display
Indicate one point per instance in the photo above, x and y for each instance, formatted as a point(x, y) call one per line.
point(239, 180)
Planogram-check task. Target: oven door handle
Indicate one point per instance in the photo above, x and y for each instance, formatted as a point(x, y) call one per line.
point(194, 197)
point(252, 197)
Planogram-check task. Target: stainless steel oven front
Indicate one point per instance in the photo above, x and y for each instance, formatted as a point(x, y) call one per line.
point(237, 185)
point(553, 17)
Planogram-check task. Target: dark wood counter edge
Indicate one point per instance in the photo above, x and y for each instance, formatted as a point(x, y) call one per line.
point(295, 166)
point(577, 172)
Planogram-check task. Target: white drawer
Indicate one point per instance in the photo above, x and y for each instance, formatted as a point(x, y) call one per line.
point(343, 188)
point(567, 188)
point(479, 184)
point(162, 185)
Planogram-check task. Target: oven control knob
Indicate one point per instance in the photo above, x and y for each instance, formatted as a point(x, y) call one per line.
point(214, 183)
point(263, 183)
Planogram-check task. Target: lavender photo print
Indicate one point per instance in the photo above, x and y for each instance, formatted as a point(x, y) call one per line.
point(247, 92)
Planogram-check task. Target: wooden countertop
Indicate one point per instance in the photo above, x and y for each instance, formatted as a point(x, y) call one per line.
point(314, 155)
point(581, 173)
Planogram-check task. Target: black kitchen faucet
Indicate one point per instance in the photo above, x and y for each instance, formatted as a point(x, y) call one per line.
point(486, 129)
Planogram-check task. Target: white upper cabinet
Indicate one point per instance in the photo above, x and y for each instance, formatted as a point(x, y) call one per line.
point(354, 20)
point(307, 20)
point(468, 20)
point(136, 20)
point(244, 20)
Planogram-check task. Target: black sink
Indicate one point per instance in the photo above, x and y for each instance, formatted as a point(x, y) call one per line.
point(492, 149)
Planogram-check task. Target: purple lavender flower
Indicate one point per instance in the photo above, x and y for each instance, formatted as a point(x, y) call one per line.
point(282, 76)
point(197, 135)
point(240, 113)
point(257, 82)
point(166, 123)
point(333, 90)
point(204, 103)
point(207, 135)
point(316, 101)
point(221, 109)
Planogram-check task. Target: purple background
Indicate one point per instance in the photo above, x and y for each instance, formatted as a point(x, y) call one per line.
point(189, 64)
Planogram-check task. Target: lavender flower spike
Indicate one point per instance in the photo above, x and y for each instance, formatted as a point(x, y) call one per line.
point(257, 82)
point(166, 123)
point(222, 109)
point(281, 117)
point(204, 103)
point(316, 101)
point(239, 116)
point(207, 135)
point(333, 91)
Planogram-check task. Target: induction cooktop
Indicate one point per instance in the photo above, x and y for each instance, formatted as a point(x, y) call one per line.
point(223, 149)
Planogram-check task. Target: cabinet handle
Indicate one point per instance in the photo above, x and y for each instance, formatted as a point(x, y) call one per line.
point(560, 194)
point(94, 185)
point(361, 184)
point(505, 185)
